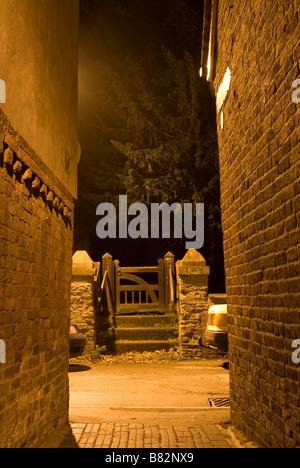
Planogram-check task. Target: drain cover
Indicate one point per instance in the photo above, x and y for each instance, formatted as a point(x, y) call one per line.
point(219, 402)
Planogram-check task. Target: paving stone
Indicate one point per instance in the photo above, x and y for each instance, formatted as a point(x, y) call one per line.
point(124, 436)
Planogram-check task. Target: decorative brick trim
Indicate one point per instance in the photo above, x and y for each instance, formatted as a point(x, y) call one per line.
point(22, 163)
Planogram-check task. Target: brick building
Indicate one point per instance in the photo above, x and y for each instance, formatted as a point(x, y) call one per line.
point(38, 166)
point(251, 56)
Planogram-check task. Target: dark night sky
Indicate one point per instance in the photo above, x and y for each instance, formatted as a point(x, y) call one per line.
point(110, 30)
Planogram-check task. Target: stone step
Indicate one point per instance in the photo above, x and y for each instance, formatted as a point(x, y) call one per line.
point(147, 333)
point(124, 346)
point(139, 321)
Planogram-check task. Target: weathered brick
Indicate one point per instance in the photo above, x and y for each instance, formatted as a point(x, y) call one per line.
point(34, 318)
point(260, 186)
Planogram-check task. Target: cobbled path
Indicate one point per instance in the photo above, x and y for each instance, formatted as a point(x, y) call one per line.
point(124, 436)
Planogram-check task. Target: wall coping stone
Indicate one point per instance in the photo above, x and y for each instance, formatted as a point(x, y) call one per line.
point(193, 263)
point(83, 265)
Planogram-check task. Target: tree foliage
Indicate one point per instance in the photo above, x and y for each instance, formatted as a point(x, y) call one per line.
point(173, 152)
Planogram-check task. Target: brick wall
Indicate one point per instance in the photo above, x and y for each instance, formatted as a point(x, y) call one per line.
point(259, 164)
point(35, 275)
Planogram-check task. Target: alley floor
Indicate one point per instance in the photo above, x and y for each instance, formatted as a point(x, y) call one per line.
point(143, 406)
point(146, 436)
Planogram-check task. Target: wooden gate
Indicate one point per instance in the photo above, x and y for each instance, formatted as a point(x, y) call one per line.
point(138, 290)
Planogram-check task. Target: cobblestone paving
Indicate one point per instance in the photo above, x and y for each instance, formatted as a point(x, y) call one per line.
point(113, 435)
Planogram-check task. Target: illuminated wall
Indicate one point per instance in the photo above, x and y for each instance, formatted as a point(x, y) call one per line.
point(38, 64)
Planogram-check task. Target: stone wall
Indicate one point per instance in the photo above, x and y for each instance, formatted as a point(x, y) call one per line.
point(259, 164)
point(193, 303)
point(36, 215)
point(84, 297)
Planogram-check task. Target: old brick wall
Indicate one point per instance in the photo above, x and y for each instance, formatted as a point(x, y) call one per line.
point(259, 164)
point(35, 273)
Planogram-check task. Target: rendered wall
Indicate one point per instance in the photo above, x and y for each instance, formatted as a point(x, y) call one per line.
point(38, 40)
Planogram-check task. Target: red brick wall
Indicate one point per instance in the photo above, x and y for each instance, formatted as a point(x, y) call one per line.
point(35, 276)
point(259, 163)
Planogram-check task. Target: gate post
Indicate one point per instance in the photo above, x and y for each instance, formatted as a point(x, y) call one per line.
point(192, 281)
point(161, 284)
point(106, 321)
point(108, 265)
point(169, 272)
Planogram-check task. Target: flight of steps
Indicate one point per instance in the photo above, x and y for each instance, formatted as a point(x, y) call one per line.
point(148, 332)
